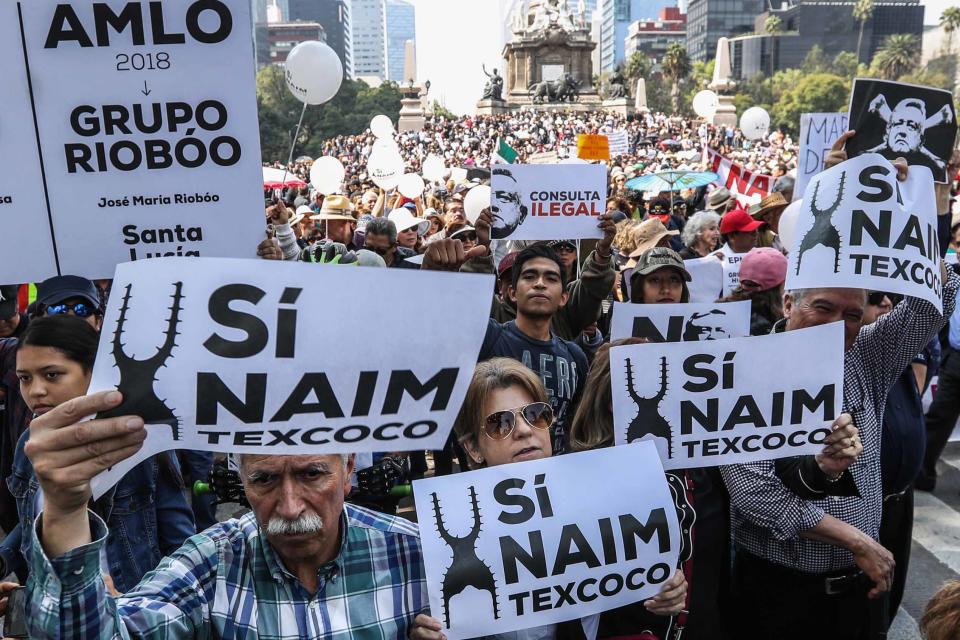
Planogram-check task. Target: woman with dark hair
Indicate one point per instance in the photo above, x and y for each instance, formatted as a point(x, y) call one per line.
point(147, 512)
point(659, 277)
point(506, 418)
point(763, 272)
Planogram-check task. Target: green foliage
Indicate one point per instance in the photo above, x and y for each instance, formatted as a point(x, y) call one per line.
point(845, 65)
point(815, 61)
point(442, 111)
point(899, 55)
point(773, 24)
point(348, 113)
point(814, 93)
point(638, 66)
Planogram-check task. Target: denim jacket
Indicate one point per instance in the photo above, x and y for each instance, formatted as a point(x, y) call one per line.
point(147, 513)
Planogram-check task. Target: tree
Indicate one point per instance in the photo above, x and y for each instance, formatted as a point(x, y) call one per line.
point(899, 55)
point(845, 64)
point(675, 66)
point(773, 24)
point(638, 66)
point(950, 21)
point(442, 111)
point(815, 61)
point(862, 12)
point(814, 93)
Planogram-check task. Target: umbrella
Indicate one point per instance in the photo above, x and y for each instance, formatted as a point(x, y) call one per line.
point(672, 181)
point(279, 179)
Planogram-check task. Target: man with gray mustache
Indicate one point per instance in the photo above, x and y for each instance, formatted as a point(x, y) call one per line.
point(302, 564)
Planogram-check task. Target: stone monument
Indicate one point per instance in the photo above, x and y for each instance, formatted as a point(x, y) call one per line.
point(492, 101)
point(548, 60)
point(412, 115)
point(722, 84)
point(617, 95)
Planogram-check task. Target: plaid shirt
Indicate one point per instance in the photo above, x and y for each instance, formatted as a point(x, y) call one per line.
point(767, 519)
point(227, 582)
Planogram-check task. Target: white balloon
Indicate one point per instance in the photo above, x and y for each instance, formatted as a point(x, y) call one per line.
point(755, 123)
point(382, 126)
point(326, 175)
point(433, 168)
point(705, 103)
point(410, 186)
point(314, 72)
point(788, 224)
point(385, 169)
point(475, 202)
point(385, 144)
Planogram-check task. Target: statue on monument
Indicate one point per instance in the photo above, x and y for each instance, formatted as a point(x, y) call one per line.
point(553, 14)
point(493, 90)
point(617, 85)
point(564, 89)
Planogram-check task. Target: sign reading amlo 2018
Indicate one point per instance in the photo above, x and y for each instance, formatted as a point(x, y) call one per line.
point(139, 122)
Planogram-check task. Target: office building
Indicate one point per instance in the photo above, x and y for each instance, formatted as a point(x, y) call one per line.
point(710, 20)
point(615, 19)
point(334, 17)
point(368, 20)
point(282, 37)
point(653, 37)
point(828, 25)
point(401, 27)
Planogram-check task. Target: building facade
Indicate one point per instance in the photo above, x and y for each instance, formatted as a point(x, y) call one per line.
point(401, 27)
point(368, 20)
point(710, 20)
point(282, 37)
point(653, 37)
point(615, 19)
point(334, 17)
point(828, 25)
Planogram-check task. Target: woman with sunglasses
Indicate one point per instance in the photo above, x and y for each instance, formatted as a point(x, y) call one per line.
point(506, 418)
point(147, 512)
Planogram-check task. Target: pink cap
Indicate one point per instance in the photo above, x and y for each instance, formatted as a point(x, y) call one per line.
point(763, 268)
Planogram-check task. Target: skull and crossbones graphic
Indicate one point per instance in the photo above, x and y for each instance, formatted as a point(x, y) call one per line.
point(907, 124)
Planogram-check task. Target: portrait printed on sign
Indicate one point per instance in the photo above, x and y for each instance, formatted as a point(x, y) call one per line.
point(903, 120)
point(687, 322)
point(536, 543)
point(243, 356)
point(547, 202)
point(725, 402)
point(862, 228)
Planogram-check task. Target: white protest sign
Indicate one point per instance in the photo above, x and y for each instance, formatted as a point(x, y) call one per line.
point(706, 279)
point(818, 132)
point(261, 356)
point(547, 201)
point(539, 542)
point(543, 157)
point(860, 227)
point(619, 144)
point(730, 401)
point(142, 155)
point(731, 271)
point(680, 322)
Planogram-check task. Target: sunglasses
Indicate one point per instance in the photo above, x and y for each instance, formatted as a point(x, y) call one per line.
point(381, 251)
point(79, 309)
point(565, 248)
point(500, 424)
point(467, 237)
point(874, 298)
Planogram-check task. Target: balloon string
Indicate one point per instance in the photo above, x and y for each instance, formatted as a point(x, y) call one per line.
point(293, 145)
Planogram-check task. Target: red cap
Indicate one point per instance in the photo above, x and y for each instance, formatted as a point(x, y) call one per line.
point(738, 220)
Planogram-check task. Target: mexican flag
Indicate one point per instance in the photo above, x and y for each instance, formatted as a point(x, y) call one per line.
point(504, 153)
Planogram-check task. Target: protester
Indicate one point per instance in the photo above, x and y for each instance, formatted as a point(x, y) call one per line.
point(768, 211)
point(720, 201)
point(763, 273)
point(12, 322)
point(659, 277)
point(381, 237)
point(739, 232)
point(660, 210)
point(651, 233)
point(70, 295)
point(253, 575)
point(505, 418)
point(701, 235)
point(336, 221)
point(410, 229)
point(147, 510)
point(944, 411)
point(941, 616)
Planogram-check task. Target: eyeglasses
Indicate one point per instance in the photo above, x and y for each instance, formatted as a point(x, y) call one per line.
point(500, 424)
point(467, 237)
point(79, 309)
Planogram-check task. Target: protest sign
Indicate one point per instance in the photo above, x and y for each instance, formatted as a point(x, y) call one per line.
point(543, 157)
point(749, 187)
point(897, 119)
point(258, 356)
point(729, 401)
point(731, 271)
point(680, 322)
point(619, 144)
point(593, 147)
point(140, 155)
point(818, 132)
point(706, 279)
point(860, 227)
point(539, 542)
point(547, 201)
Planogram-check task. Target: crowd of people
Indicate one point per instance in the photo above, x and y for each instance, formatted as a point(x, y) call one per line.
point(814, 546)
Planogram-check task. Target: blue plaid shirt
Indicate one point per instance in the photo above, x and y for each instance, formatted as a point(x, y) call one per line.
point(227, 582)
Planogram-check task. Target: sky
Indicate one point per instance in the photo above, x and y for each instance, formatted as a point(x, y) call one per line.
point(456, 37)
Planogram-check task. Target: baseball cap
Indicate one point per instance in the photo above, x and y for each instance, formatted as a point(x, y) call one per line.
point(660, 258)
point(506, 264)
point(59, 288)
point(738, 220)
point(556, 244)
point(762, 268)
point(8, 301)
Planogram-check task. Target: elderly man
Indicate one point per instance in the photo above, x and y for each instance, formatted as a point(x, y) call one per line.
point(302, 565)
point(805, 567)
